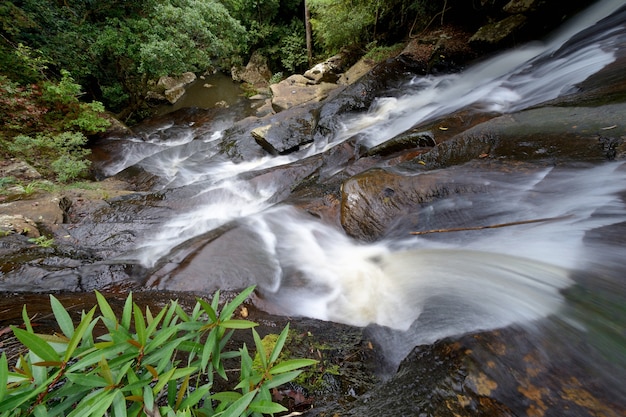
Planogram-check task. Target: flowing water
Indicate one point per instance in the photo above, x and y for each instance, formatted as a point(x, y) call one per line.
point(424, 287)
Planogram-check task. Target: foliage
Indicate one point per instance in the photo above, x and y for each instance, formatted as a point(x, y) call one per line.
point(46, 125)
point(42, 241)
point(162, 364)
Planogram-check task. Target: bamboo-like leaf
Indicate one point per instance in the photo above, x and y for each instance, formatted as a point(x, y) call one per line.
point(62, 317)
point(27, 324)
point(140, 325)
point(195, 397)
point(127, 312)
point(281, 379)
point(230, 308)
point(91, 381)
point(163, 379)
point(290, 365)
point(227, 397)
point(105, 371)
point(84, 324)
point(105, 308)
point(280, 342)
point(209, 349)
point(153, 372)
point(160, 338)
point(153, 322)
point(94, 405)
point(237, 408)
point(260, 349)
point(181, 392)
point(119, 404)
point(149, 316)
point(266, 407)
point(208, 309)
point(4, 375)
point(238, 324)
point(37, 345)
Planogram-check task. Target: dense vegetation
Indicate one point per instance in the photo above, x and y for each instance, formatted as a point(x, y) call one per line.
point(63, 62)
point(144, 364)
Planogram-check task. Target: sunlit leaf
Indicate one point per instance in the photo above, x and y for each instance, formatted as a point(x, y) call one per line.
point(238, 324)
point(290, 365)
point(26, 319)
point(280, 342)
point(278, 380)
point(119, 404)
point(266, 407)
point(237, 408)
point(78, 334)
point(105, 308)
point(38, 346)
point(230, 308)
point(208, 309)
point(62, 317)
point(140, 325)
point(260, 349)
point(127, 311)
point(92, 381)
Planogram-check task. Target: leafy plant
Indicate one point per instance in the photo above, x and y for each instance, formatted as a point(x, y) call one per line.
point(163, 364)
point(42, 241)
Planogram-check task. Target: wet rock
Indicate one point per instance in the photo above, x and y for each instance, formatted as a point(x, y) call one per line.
point(403, 142)
point(566, 133)
point(508, 372)
point(171, 88)
point(18, 224)
point(377, 201)
point(520, 6)
point(287, 133)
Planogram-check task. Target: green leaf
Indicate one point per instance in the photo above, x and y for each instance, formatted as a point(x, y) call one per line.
point(37, 345)
point(26, 319)
point(91, 381)
point(140, 325)
point(260, 349)
point(280, 342)
point(84, 324)
point(281, 379)
point(209, 349)
point(237, 408)
point(127, 311)
point(119, 404)
point(105, 308)
point(266, 407)
point(227, 397)
point(4, 375)
point(62, 317)
point(94, 405)
point(230, 308)
point(208, 309)
point(154, 321)
point(290, 365)
point(195, 397)
point(238, 324)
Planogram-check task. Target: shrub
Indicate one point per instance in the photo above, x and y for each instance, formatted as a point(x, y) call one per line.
point(162, 364)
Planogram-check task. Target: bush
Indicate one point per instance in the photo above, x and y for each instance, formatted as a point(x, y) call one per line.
point(162, 364)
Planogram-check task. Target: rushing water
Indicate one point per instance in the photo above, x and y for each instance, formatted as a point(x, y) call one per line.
point(427, 287)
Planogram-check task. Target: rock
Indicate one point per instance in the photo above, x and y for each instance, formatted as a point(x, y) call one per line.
point(19, 169)
point(494, 33)
point(256, 73)
point(296, 90)
point(376, 202)
point(168, 83)
point(285, 135)
point(171, 88)
point(17, 223)
point(174, 94)
point(405, 141)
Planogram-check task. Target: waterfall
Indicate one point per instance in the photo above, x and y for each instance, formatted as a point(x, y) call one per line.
point(435, 287)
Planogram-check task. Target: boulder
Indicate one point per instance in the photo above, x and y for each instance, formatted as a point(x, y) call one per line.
point(256, 73)
point(171, 88)
point(19, 169)
point(296, 90)
point(286, 135)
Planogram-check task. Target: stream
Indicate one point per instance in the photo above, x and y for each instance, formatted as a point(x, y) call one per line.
point(224, 222)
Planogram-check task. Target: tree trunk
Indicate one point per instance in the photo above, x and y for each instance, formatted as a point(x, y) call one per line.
point(307, 27)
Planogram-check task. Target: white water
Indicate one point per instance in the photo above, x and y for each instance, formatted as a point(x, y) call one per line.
point(436, 287)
